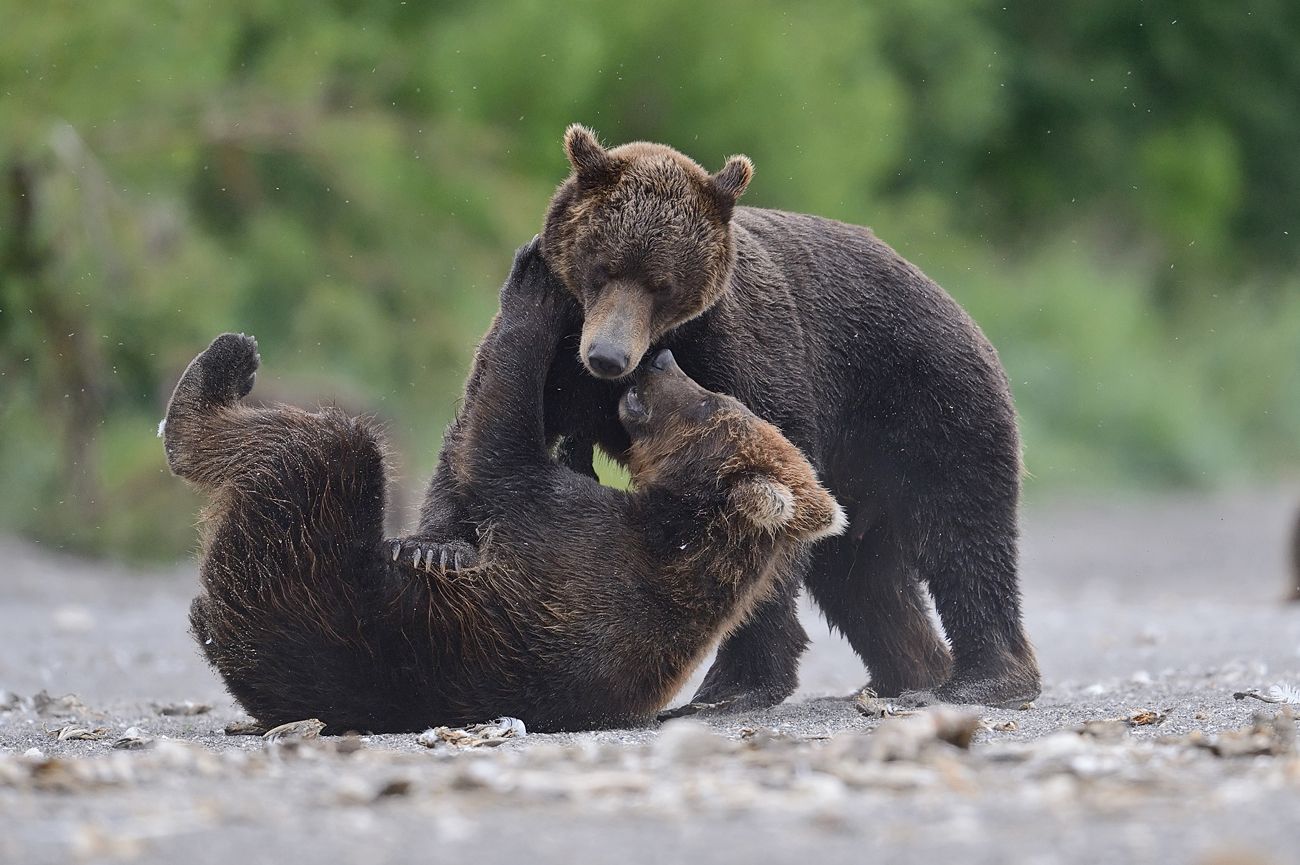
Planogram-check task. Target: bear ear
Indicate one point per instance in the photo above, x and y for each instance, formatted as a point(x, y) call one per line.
point(820, 516)
point(764, 501)
point(730, 181)
point(809, 514)
point(591, 162)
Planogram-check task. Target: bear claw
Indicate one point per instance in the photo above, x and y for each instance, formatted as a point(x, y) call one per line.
point(432, 557)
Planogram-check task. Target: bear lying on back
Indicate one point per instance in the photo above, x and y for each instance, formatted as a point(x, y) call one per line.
point(589, 607)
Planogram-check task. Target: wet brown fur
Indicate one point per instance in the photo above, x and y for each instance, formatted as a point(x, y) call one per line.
point(644, 216)
point(685, 268)
point(858, 358)
point(589, 606)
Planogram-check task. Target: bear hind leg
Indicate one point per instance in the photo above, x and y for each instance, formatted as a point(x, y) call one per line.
point(867, 593)
point(970, 566)
point(217, 379)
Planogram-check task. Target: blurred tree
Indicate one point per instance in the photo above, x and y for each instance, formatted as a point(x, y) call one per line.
point(1171, 121)
point(1112, 188)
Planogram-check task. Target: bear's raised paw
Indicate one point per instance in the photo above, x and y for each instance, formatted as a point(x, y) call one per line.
point(224, 372)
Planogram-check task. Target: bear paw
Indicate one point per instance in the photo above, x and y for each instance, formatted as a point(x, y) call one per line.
point(732, 703)
point(998, 693)
point(225, 371)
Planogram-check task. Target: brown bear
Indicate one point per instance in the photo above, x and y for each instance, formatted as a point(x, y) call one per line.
point(863, 362)
point(588, 607)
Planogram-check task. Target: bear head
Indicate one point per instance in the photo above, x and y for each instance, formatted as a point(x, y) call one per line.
point(641, 235)
point(684, 436)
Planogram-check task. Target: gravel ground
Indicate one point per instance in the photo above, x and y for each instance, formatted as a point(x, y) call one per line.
point(1148, 615)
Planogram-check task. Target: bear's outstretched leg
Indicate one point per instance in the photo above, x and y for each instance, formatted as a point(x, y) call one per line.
point(290, 579)
point(217, 379)
point(866, 592)
point(504, 444)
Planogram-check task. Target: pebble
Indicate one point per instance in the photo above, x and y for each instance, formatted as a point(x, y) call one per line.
point(134, 739)
point(688, 768)
point(73, 619)
point(684, 740)
point(295, 731)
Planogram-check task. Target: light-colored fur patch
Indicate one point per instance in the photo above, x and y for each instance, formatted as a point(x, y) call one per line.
point(839, 522)
point(768, 504)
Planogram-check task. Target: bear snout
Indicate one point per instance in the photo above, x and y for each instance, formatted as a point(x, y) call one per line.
point(663, 361)
point(607, 361)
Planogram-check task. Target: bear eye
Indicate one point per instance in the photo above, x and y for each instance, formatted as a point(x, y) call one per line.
point(599, 275)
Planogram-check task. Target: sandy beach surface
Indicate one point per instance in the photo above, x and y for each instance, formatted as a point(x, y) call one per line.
point(1148, 614)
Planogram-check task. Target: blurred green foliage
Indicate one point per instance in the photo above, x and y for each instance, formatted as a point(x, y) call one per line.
point(1113, 190)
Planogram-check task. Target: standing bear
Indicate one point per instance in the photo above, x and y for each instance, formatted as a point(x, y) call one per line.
point(863, 362)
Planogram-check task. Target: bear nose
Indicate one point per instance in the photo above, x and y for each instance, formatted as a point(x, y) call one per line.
point(663, 361)
point(607, 360)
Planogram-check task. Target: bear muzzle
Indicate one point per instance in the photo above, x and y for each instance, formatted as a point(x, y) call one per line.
point(607, 360)
point(616, 330)
point(634, 406)
point(663, 361)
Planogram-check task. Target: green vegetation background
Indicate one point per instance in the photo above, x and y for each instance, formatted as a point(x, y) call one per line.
point(1112, 188)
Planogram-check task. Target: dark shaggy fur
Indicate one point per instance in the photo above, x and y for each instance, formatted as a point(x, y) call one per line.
point(860, 359)
point(588, 607)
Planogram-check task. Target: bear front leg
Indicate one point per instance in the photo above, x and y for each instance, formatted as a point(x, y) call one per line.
point(446, 537)
point(444, 540)
point(521, 341)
